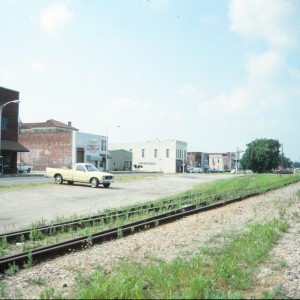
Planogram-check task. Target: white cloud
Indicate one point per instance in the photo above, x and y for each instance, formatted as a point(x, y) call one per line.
point(266, 69)
point(54, 18)
point(277, 22)
point(38, 67)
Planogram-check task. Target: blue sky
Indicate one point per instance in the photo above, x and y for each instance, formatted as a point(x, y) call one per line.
point(216, 74)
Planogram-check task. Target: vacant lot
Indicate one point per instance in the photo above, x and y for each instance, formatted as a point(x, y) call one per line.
point(22, 206)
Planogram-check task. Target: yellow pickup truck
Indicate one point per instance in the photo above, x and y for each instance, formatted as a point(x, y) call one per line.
point(82, 172)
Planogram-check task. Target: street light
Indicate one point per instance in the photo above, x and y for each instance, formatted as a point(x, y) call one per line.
point(106, 152)
point(1, 109)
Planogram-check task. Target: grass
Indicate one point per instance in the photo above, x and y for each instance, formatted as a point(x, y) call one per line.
point(224, 274)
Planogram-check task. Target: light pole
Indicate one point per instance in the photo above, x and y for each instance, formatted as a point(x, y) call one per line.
point(106, 149)
point(238, 151)
point(1, 109)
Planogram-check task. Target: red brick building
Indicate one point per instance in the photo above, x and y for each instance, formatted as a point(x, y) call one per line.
point(10, 145)
point(56, 144)
point(50, 144)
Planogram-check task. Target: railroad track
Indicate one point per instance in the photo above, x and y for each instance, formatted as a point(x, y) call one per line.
point(43, 253)
point(27, 234)
point(39, 254)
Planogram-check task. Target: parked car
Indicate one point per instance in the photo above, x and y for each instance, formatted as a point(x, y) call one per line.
point(194, 170)
point(214, 171)
point(22, 167)
point(283, 171)
point(82, 172)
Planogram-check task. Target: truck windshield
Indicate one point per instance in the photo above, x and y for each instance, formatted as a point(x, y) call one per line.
point(91, 168)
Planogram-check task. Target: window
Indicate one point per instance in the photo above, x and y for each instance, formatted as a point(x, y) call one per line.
point(167, 153)
point(4, 123)
point(155, 153)
point(103, 145)
point(80, 168)
point(143, 152)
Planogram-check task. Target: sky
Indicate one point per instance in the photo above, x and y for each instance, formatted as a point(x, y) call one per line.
point(214, 74)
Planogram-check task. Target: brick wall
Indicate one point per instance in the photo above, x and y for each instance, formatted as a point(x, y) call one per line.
point(47, 149)
point(10, 114)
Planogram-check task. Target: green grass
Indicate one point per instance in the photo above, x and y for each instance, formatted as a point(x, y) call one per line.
point(225, 274)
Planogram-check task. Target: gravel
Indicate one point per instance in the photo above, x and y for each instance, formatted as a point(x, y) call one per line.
point(182, 238)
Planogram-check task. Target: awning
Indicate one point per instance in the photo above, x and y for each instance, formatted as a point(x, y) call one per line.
point(12, 146)
point(104, 156)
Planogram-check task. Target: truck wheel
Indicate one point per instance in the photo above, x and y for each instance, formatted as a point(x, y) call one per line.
point(58, 179)
point(106, 185)
point(94, 182)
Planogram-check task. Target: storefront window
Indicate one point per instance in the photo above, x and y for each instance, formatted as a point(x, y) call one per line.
point(7, 162)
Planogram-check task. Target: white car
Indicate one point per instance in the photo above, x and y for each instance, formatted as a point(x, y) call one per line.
point(195, 170)
point(22, 167)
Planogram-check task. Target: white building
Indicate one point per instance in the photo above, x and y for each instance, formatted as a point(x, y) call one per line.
point(90, 148)
point(168, 156)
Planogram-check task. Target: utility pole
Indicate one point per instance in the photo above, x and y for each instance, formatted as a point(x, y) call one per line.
point(282, 155)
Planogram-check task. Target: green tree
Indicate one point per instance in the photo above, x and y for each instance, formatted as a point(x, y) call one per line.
point(285, 162)
point(296, 164)
point(261, 155)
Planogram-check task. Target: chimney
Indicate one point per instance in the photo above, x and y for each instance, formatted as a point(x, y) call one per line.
point(70, 124)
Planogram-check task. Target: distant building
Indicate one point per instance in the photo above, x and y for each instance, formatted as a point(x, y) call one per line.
point(120, 160)
point(56, 144)
point(10, 145)
point(222, 161)
point(198, 159)
point(168, 156)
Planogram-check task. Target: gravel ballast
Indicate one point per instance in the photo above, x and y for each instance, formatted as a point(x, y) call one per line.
point(182, 238)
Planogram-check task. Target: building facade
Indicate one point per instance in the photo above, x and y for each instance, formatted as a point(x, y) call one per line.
point(198, 159)
point(56, 144)
point(9, 133)
point(120, 160)
point(168, 156)
point(222, 162)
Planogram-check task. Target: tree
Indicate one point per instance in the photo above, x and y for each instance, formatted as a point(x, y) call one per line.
point(261, 155)
point(285, 162)
point(296, 164)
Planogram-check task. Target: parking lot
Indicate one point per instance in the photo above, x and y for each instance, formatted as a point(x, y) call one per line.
point(22, 206)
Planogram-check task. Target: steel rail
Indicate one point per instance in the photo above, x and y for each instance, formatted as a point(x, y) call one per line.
point(25, 234)
point(43, 253)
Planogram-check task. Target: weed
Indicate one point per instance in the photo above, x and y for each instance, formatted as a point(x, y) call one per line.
point(120, 232)
point(282, 213)
point(2, 293)
point(36, 281)
point(29, 262)
point(279, 265)
point(12, 270)
point(50, 294)
point(276, 293)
